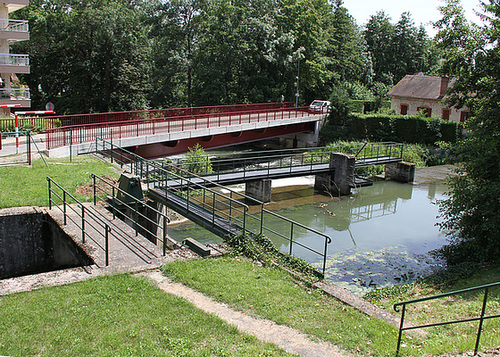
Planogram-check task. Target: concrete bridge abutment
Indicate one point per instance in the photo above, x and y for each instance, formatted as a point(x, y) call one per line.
point(400, 171)
point(340, 179)
point(260, 190)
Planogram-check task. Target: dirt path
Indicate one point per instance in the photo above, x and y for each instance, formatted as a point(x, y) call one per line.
point(284, 337)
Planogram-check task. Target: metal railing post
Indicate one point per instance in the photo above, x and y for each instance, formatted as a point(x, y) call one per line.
point(164, 234)
point(481, 319)
point(64, 206)
point(50, 193)
point(111, 141)
point(94, 188)
point(401, 328)
point(325, 252)
point(28, 147)
point(83, 223)
point(106, 243)
point(291, 238)
point(113, 202)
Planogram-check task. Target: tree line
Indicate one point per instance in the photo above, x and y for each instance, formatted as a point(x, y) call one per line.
point(96, 56)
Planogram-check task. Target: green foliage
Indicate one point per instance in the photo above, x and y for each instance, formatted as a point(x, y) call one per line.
point(397, 49)
point(260, 248)
point(86, 56)
point(382, 127)
point(197, 161)
point(471, 214)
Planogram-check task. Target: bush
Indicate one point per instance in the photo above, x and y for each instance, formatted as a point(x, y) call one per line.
point(383, 127)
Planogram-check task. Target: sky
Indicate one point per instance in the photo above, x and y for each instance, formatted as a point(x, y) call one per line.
point(422, 11)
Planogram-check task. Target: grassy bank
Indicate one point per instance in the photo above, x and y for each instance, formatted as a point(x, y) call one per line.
point(116, 316)
point(27, 186)
point(274, 294)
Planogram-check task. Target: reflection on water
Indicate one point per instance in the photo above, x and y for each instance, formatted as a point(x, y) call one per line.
point(380, 234)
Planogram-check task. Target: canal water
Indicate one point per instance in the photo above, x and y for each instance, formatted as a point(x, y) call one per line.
point(381, 235)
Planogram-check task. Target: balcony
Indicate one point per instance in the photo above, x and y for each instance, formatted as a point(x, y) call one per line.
point(14, 30)
point(13, 63)
point(15, 96)
point(14, 5)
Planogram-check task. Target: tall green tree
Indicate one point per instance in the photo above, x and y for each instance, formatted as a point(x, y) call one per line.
point(473, 57)
point(399, 49)
point(378, 34)
point(87, 56)
point(175, 34)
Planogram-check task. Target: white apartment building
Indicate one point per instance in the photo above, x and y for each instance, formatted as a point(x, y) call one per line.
point(11, 91)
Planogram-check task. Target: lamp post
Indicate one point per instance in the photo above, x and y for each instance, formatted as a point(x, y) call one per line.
point(297, 83)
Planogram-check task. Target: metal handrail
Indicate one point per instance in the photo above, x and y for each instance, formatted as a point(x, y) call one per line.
point(116, 201)
point(17, 134)
point(290, 158)
point(142, 168)
point(84, 211)
point(62, 135)
point(327, 239)
point(481, 318)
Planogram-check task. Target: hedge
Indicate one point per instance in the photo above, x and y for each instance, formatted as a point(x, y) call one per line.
point(380, 127)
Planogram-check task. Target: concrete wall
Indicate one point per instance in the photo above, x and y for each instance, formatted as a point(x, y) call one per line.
point(436, 107)
point(31, 242)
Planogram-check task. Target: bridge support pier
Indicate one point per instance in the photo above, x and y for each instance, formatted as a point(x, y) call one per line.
point(400, 171)
point(260, 190)
point(340, 179)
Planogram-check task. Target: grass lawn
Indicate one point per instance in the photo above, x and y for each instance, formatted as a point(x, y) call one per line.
point(273, 294)
point(116, 315)
point(451, 338)
point(27, 186)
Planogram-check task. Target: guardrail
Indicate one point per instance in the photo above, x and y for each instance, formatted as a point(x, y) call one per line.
point(13, 134)
point(75, 134)
point(481, 317)
point(98, 223)
point(14, 25)
point(122, 200)
point(21, 93)
point(366, 154)
point(11, 59)
point(220, 205)
point(55, 121)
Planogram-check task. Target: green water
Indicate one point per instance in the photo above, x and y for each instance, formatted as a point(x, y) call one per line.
point(381, 235)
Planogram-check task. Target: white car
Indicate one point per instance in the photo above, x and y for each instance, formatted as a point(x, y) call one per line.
point(320, 106)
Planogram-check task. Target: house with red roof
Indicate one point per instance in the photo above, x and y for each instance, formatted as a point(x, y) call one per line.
point(427, 94)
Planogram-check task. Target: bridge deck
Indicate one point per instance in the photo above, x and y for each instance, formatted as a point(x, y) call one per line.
point(197, 214)
point(231, 178)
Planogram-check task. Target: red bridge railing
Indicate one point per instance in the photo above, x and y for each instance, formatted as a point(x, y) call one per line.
point(49, 122)
point(76, 134)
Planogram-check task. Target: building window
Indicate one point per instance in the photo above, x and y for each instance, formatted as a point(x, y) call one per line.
point(445, 114)
point(463, 116)
point(404, 109)
point(425, 110)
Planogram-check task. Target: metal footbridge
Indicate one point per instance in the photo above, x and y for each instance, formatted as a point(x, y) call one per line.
point(203, 199)
point(222, 211)
point(229, 170)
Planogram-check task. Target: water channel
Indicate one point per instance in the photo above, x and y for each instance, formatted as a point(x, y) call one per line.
point(381, 234)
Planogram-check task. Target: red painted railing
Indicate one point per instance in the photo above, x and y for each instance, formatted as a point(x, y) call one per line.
point(48, 122)
point(76, 134)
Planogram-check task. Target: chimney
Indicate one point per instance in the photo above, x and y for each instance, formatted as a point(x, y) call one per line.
point(444, 85)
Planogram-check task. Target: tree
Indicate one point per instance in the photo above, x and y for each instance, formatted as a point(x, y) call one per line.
point(87, 56)
point(175, 35)
point(378, 34)
point(472, 56)
point(398, 50)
